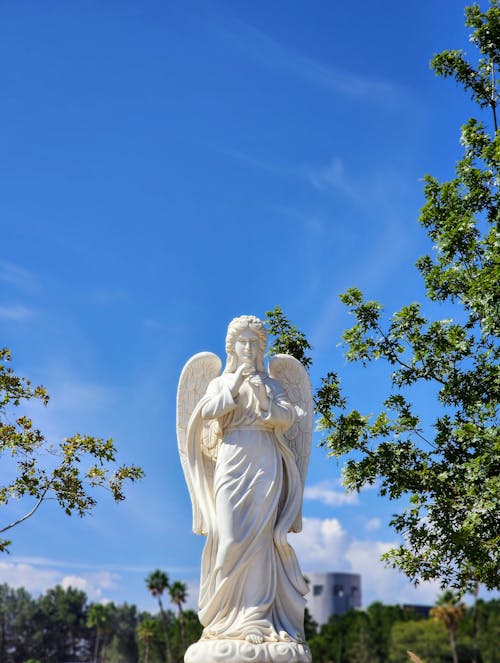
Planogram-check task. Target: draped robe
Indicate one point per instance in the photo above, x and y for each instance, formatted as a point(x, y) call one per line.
point(250, 577)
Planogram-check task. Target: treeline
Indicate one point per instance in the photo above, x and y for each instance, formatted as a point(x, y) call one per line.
point(61, 626)
point(384, 634)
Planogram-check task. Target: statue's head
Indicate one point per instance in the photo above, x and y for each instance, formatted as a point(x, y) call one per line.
point(245, 324)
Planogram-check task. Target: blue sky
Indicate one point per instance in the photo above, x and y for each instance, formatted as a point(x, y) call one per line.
point(168, 166)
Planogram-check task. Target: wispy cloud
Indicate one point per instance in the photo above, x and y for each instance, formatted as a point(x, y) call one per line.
point(75, 404)
point(331, 176)
point(377, 231)
point(325, 492)
point(18, 276)
point(279, 170)
point(373, 265)
point(16, 313)
point(163, 326)
point(323, 178)
point(89, 566)
point(276, 55)
point(111, 296)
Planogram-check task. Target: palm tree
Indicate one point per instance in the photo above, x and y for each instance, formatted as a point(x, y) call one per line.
point(449, 611)
point(414, 657)
point(146, 635)
point(178, 596)
point(157, 582)
point(99, 617)
point(475, 592)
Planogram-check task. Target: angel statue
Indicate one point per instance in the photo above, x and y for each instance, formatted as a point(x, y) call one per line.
point(244, 441)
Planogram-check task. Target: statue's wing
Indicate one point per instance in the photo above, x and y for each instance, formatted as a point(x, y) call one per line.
point(198, 372)
point(294, 379)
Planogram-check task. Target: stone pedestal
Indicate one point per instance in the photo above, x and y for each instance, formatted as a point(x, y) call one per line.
point(240, 651)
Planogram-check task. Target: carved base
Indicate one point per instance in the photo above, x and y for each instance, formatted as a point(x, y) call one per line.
point(240, 651)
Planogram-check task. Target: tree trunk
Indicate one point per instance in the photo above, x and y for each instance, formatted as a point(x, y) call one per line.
point(182, 628)
point(168, 651)
point(96, 646)
point(3, 656)
point(453, 642)
point(475, 625)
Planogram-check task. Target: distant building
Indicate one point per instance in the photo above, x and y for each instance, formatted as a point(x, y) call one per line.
point(421, 610)
point(332, 594)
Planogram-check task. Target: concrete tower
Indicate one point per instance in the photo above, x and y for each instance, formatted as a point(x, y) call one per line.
point(332, 594)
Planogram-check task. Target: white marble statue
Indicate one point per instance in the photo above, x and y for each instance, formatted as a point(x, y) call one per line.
point(244, 441)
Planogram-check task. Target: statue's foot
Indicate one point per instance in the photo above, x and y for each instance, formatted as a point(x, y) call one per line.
point(254, 636)
point(284, 637)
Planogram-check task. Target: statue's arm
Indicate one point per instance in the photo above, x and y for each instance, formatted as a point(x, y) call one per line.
point(281, 413)
point(218, 399)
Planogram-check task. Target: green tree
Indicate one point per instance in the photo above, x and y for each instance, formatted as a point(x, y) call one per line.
point(287, 338)
point(488, 630)
point(62, 622)
point(178, 596)
point(425, 638)
point(157, 582)
point(193, 630)
point(82, 462)
point(123, 645)
point(447, 466)
point(381, 619)
point(341, 637)
point(359, 636)
point(362, 650)
point(20, 625)
point(310, 626)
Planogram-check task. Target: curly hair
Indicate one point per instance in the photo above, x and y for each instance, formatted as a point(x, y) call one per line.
point(235, 327)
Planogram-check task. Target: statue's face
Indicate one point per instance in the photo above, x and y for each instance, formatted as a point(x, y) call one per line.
point(246, 347)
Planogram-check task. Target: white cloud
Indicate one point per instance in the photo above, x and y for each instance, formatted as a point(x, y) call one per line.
point(77, 582)
point(192, 595)
point(325, 546)
point(33, 579)
point(93, 584)
point(373, 524)
point(385, 584)
point(322, 545)
point(325, 493)
point(37, 579)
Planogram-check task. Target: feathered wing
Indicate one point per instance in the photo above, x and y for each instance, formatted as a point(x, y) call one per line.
point(293, 377)
point(195, 377)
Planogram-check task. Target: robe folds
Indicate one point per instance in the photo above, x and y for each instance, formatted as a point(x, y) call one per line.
point(246, 501)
